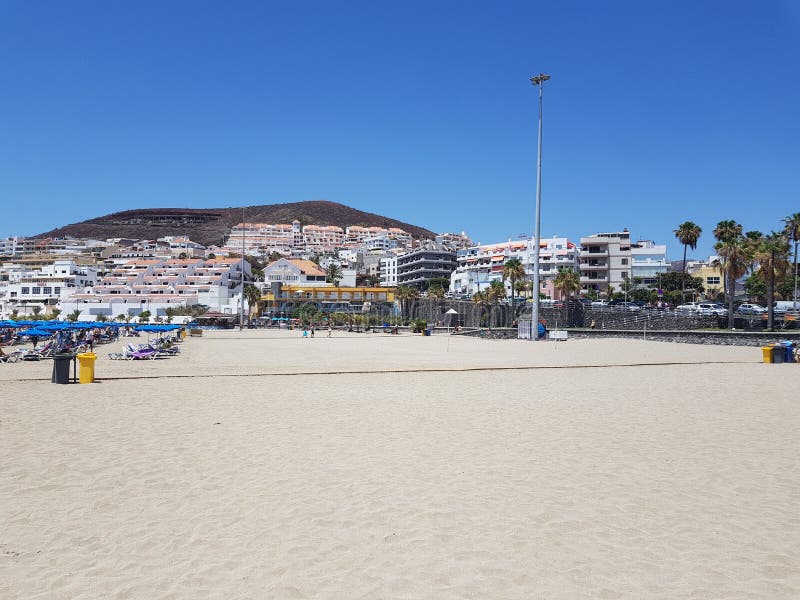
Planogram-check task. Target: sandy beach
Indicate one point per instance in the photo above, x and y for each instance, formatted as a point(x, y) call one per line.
point(259, 464)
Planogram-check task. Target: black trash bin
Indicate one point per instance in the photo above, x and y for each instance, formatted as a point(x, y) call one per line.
point(61, 364)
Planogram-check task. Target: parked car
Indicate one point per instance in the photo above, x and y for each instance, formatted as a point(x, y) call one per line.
point(686, 309)
point(711, 309)
point(751, 309)
point(781, 307)
point(628, 307)
point(599, 303)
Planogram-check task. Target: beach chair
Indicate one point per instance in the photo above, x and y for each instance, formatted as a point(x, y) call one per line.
point(11, 357)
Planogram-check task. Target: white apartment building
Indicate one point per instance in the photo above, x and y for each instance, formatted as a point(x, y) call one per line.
point(155, 285)
point(388, 270)
point(605, 259)
point(478, 266)
point(322, 238)
point(453, 241)
point(356, 235)
point(648, 261)
point(22, 289)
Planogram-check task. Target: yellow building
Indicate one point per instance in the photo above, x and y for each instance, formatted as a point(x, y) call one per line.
point(712, 278)
point(326, 298)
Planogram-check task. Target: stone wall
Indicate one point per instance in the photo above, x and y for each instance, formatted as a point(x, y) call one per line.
point(726, 338)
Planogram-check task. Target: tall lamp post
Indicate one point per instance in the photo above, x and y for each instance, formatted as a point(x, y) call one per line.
point(538, 81)
point(241, 301)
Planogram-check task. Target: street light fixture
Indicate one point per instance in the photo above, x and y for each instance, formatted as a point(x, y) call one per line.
point(537, 80)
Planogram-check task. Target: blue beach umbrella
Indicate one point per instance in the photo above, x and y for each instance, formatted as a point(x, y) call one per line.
point(37, 332)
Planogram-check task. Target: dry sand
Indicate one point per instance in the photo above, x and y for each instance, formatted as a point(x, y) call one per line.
point(261, 465)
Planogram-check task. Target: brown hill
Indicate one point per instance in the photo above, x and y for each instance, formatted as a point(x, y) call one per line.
point(210, 225)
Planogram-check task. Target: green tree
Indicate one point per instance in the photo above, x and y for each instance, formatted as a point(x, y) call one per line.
point(687, 233)
point(101, 318)
point(735, 254)
point(144, 316)
point(74, 315)
point(183, 256)
point(792, 229)
point(54, 313)
point(121, 317)
point(514, 271)
point(333, 274)
point(772, 255)
point(36, 310)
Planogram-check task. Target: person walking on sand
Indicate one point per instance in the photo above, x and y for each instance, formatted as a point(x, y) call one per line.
point(330, 330)
point(90, 339)
point(312, 331)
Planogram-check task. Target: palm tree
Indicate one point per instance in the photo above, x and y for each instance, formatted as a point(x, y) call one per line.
point(481, 299)
point(736, 258)
point(513, 270)
point(725, 232)
point(792, 229)
point(252, 294)
point(687, 233)
point(406, 293)
point(567, 281)
point(334, 274)
point(73, 316)
point(494, 293)
point(772, 254)
point(436, 291)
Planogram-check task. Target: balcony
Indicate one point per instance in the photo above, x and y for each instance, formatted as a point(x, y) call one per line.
point(597, 267)
point(594, 253)
point(600, 280)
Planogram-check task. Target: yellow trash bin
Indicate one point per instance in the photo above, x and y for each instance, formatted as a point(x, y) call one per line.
point(183, 333)
point(766, 352)
point(86, 371)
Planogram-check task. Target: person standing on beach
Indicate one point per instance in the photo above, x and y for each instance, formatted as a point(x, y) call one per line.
point(312, 331)
point(90, 339)
point(330, 330)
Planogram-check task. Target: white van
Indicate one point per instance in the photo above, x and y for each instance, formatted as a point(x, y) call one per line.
point(783, 306)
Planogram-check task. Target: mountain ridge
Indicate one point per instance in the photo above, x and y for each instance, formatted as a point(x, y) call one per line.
point(210, 225)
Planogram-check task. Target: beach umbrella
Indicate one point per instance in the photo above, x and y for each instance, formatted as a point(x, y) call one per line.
point(37, 332)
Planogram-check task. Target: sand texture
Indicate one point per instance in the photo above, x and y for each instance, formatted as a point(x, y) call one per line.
point(261, 465)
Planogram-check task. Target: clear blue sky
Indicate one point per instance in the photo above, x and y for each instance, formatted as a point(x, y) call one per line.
point(657, 113)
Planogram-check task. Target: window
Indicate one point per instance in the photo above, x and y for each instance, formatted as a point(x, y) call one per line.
point(624, 261)
point(48, 290)
point(25, 290)
point(712, 280)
